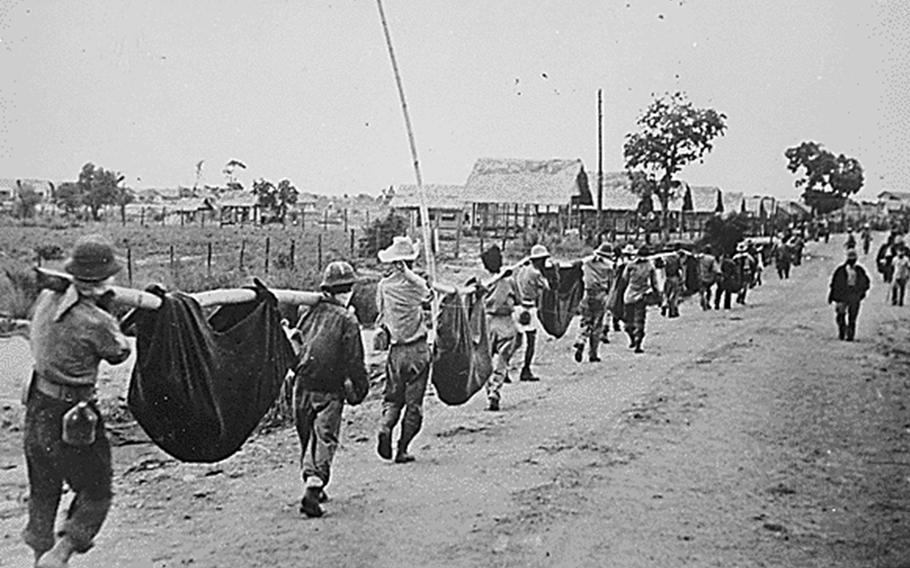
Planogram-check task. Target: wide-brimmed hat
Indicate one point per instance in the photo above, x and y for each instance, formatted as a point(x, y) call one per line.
point(92, 259)
point(402, 248)
point(742, 246)
point(338, 273)
point(605, 250)
point(629, 250)
point(643, 250)
point(539, 251)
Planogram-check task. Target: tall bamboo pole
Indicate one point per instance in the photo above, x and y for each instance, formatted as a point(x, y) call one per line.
point(424, 212)
point(600, 160)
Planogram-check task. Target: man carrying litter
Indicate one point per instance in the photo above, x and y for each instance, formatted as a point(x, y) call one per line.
point(531, 282)
point(597, 276)
point(65, 440)
point(330, 365)
point(400, 297)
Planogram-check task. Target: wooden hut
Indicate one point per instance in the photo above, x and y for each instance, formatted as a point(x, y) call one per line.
point(508, 193)
point(445, 205)
point(238, 207)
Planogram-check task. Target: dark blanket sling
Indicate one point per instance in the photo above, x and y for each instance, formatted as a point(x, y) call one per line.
point(461, 357)
point(199, 387)
point(559, 304)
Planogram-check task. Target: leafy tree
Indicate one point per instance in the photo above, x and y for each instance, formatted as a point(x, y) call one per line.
point(27, 200)
point(828, 180)
point(287, 196)
point(723, 233)
point(99, 187)
point(672, 133)
point(275, 200)
point(379, 233)
point(69, 197)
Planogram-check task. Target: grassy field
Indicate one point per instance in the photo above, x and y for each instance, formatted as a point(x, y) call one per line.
point(190, 258)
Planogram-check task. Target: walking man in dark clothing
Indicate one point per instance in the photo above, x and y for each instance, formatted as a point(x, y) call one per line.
point(330, 368)
point(71, 333)
point(849, 285)
point(729, 282)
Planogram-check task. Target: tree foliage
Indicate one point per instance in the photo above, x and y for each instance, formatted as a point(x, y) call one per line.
point(99, 187)
point(275, 200)
point(672, 133)
point(723, 233)
point(827, 180)
point(69, 197)
point(379, 233)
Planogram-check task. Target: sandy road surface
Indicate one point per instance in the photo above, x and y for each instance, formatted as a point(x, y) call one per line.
point(748, 437)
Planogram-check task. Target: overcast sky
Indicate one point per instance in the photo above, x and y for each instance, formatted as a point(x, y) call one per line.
point(304, 89)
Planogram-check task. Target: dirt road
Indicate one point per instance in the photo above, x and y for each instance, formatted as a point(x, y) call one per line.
point(746, 437)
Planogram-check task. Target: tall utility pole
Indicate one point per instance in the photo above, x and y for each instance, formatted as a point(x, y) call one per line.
point(600, 160)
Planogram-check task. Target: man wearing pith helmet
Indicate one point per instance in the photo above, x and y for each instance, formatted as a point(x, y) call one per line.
point(70, 335)
point(531, 282)
point(400, 297)
point(330, 369)
point(597, 276)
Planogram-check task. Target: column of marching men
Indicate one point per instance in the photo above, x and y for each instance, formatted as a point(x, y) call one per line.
point(72, 331)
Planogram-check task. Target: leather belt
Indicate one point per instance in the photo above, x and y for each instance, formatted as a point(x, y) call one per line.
point(66, 393)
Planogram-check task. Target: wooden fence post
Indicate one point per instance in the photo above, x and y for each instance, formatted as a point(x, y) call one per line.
point(268, 244)
point(129, 265)
point(171, 254)
point(319, 251)
point(345, 219)
point(208, 259)
point(352, 243)
point(293, 244)
point(142, 217)
point(242, 250)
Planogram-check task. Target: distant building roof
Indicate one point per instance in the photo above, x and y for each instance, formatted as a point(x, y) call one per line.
point(894, 195)
point(438, 196)
point(617, 195)
point(754, 204)
point(41, 186)
point(534, 182)
point(238, 199)
point(191, 204)
point(733, 201)
point(704, 198)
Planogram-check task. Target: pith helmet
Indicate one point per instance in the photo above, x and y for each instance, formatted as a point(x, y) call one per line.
point(338, 273)
point(402, 248)
point(539, 251)
point(92, 259)
point(605, 250)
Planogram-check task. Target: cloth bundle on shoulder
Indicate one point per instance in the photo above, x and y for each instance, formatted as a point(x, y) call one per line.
point(199, 388)
point(558, 305)
point(461, 356)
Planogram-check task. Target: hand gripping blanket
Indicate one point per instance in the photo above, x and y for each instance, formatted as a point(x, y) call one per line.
point(461, 356)
point(199, 387)
point(559, 304)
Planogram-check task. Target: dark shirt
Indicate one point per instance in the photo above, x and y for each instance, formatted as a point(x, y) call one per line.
point(331, 350)
point(842, 291)
point(671, 266)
